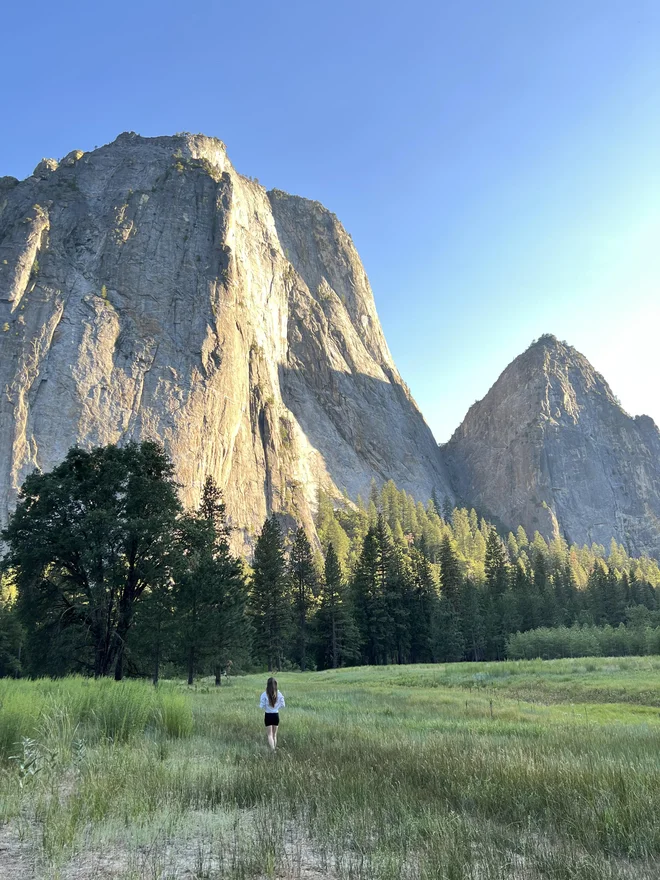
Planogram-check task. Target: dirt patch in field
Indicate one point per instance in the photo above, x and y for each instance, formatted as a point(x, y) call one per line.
point(174, 859)
point(17, 858)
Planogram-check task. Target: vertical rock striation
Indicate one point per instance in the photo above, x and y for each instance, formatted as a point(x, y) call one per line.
point(147, 290)
point(550, 447)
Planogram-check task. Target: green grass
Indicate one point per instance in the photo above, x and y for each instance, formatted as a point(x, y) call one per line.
point(526, 770)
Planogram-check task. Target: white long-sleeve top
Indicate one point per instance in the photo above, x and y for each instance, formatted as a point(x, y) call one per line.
point(265, 702)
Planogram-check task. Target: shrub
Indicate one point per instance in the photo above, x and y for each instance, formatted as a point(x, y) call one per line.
point(583, 641)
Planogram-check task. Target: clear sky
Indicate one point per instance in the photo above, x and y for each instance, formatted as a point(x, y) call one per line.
point(497, 162)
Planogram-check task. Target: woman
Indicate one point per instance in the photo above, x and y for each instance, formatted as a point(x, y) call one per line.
point(272, 701)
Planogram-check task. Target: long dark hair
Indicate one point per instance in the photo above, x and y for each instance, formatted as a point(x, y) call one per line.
point(271, 690)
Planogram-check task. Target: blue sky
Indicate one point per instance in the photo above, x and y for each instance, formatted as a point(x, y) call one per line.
point(497, 163)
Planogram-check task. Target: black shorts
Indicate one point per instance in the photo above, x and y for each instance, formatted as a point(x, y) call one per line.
point(271, 719)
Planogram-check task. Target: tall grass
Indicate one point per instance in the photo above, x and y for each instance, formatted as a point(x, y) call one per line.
point(97, 710)
point(417, 772)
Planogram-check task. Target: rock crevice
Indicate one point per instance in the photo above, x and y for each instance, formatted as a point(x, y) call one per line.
point(574, 462)
point(175, 299)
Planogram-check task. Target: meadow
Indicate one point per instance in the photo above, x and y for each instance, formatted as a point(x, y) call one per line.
point(516, 771)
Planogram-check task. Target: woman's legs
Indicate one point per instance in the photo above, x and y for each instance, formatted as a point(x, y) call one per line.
point(274, 729)
point(272, 736)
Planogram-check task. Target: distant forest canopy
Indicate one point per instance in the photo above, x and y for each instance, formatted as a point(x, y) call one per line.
point(425, 525)
point(106, 574)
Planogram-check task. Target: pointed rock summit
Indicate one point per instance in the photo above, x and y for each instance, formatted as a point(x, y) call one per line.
point(148, 290)
point(550, 447)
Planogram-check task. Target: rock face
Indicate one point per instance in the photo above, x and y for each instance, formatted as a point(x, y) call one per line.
point(549, 447)
point(147, 290)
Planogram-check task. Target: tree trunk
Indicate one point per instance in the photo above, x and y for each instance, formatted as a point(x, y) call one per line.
point(119, 640)
point(98, 662)
point(119, 665)
point(191, 665)
point(157, 659)
point(334, 643)
point(218, 675)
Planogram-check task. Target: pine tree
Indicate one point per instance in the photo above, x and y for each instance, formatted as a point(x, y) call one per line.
point(512, 547)
point(526, 598)
point(399, 600)
point(521, 538)
point(11, 635)
point(449, 638)
point(269, 596)
point(210, 594)
point(472, 622)
point(303, 580)
point(614, 600)
point(423, 610)
point(155, 629)
point(337, 637)
point(496, 605)
point(543, 583)
point(462, 532)
point(229, 631)
point(192, 595)
point(369, 595)
point(496, 565)
point(597, 599)
point(450, 572)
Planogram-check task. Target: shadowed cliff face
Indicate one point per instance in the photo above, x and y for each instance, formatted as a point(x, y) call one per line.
point(147, 290)
point(550, 448)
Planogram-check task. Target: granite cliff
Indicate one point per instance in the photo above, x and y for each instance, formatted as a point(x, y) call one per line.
point(148, 290)
point(550, 447)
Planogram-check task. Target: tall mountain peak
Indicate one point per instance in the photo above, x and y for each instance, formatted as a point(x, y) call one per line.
point(551, 448)
point(148, 290)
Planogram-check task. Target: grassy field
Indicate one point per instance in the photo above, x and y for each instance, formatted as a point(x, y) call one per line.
point(517, 770)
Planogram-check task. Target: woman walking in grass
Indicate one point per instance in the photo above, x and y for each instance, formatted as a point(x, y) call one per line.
point(272, 701)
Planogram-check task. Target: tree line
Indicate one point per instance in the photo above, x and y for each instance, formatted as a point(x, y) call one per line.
point(106, 574)
point(637, 637)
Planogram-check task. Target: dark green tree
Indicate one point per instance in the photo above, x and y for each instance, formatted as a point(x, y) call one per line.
point(229, 631)
point(210, 594)
point(336, 635)
point(269, 596)
point(192, 594)
point(304, 584)
point(368, 596)
point(87, 539)
point(642, 592)
point(605, 600)
point(450, 572)
point(495, 601)
point(472, 622)
point(527, 601)
point(449, 639)
point(155, 630)
point(399, 598)
point(423, 609)
point(11, 633)
point(496, 565)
